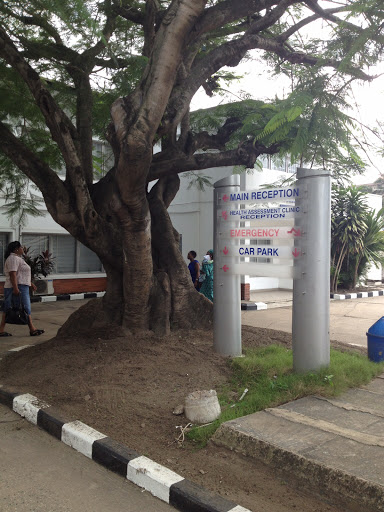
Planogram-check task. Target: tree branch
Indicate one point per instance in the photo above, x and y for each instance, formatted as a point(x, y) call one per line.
point(327, 14)
point(228, 11)
point(53, 189)
point(61, 128)
point(245, 155)
point(108, 29)
point(230, 54)
point(149, 26)
point(126, 11)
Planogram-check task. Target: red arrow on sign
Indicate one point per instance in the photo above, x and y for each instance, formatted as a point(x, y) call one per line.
point(296, 253)
point(295, 232)
point(224, 215)
point(225, 198)
point(225, 268)
point(225, 250)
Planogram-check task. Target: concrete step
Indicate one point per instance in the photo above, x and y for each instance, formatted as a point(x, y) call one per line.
point(334, 446)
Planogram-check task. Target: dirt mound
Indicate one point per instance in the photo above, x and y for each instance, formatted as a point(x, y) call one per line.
point(127, 387)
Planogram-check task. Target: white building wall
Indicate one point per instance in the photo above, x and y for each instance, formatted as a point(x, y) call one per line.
point(41, 225)
point(192, 215)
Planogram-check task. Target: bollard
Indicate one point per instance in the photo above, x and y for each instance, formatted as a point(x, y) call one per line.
point(226, 288)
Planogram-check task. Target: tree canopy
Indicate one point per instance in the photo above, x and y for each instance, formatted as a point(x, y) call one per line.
point(126, 71)
point(88, 54)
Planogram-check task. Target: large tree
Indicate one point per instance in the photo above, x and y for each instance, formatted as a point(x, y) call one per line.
point(62, 63)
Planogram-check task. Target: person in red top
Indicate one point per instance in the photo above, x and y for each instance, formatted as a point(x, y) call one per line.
point(16, 287)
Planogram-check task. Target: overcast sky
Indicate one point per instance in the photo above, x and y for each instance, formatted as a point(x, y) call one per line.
point(260, 83)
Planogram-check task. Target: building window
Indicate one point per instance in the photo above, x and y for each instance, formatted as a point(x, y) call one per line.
point(103, 158)
point(181, 243)
point(36, 243)
point(63, 248)
point(70, 256)
point(4, 237)
point(88, 260)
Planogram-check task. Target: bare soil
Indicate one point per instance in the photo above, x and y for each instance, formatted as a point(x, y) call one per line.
point(127, 387)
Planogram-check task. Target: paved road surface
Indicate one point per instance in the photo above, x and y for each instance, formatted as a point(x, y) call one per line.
point(40, 474)
point(350, 319)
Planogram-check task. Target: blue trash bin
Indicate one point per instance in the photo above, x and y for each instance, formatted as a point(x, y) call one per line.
point(375, 337)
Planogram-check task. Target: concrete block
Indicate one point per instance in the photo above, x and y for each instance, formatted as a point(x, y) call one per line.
point(28, 407)
point(153, 477)
point(48, 298)
point(76, 296)
point(113, 455)
point(80, 437)
point(261, 305)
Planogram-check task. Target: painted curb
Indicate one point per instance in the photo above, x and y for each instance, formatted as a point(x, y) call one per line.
point(65, 296)
point(360, 295)
point(253, 306)
point(160, 481)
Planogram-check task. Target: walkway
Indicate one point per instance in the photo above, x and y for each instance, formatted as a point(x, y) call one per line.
point(333, 445)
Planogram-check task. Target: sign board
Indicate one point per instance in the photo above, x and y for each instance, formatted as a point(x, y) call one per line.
point(270, 233)
point(278, 213)
point(260, 196)
point(268, 214)
point(261, 251)
point(261, 270)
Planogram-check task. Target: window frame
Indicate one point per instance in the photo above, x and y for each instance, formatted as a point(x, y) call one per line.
point(52, 243)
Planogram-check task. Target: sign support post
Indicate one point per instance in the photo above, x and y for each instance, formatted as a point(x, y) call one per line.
point(310, 312)
point(226, 287)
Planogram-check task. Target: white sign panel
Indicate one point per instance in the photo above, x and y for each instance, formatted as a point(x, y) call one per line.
point(260, 196)
point(261, 251)
point(279, 213)
point(270, 233)
point(260, 270)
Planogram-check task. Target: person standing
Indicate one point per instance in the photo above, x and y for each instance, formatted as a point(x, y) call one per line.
point(16, 287)
point(207, 268)
point(194, 268)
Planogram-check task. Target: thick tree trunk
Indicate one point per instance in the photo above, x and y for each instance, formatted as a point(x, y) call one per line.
point(185, 307)
point(151, 289)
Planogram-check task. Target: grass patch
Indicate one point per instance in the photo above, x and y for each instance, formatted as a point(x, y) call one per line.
point(267, 374)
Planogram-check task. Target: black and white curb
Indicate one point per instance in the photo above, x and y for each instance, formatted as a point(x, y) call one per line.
point(253, 306)
point(360, 295)
point(65, 296)
point(160, 481)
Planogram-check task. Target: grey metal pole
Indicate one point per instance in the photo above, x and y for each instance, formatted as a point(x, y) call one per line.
point(226, 288)
point(310, 312)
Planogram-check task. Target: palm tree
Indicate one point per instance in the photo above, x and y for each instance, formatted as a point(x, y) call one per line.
point(372, 246)
point(348, 228)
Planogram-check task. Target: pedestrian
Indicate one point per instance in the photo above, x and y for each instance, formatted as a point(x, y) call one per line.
point(16, 287)
point(194, 268)
point(207, 268)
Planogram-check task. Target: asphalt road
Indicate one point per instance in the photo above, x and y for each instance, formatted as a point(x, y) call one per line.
point(40, 474)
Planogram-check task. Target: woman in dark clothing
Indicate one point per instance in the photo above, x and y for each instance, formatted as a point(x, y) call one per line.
point(194, 268)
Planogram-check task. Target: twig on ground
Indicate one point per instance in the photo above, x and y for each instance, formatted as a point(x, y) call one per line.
point(181, 438)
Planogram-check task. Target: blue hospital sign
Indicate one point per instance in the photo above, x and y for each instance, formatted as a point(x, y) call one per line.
point(257, 196)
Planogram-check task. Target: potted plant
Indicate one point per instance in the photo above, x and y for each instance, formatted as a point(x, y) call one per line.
point(41, 265)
